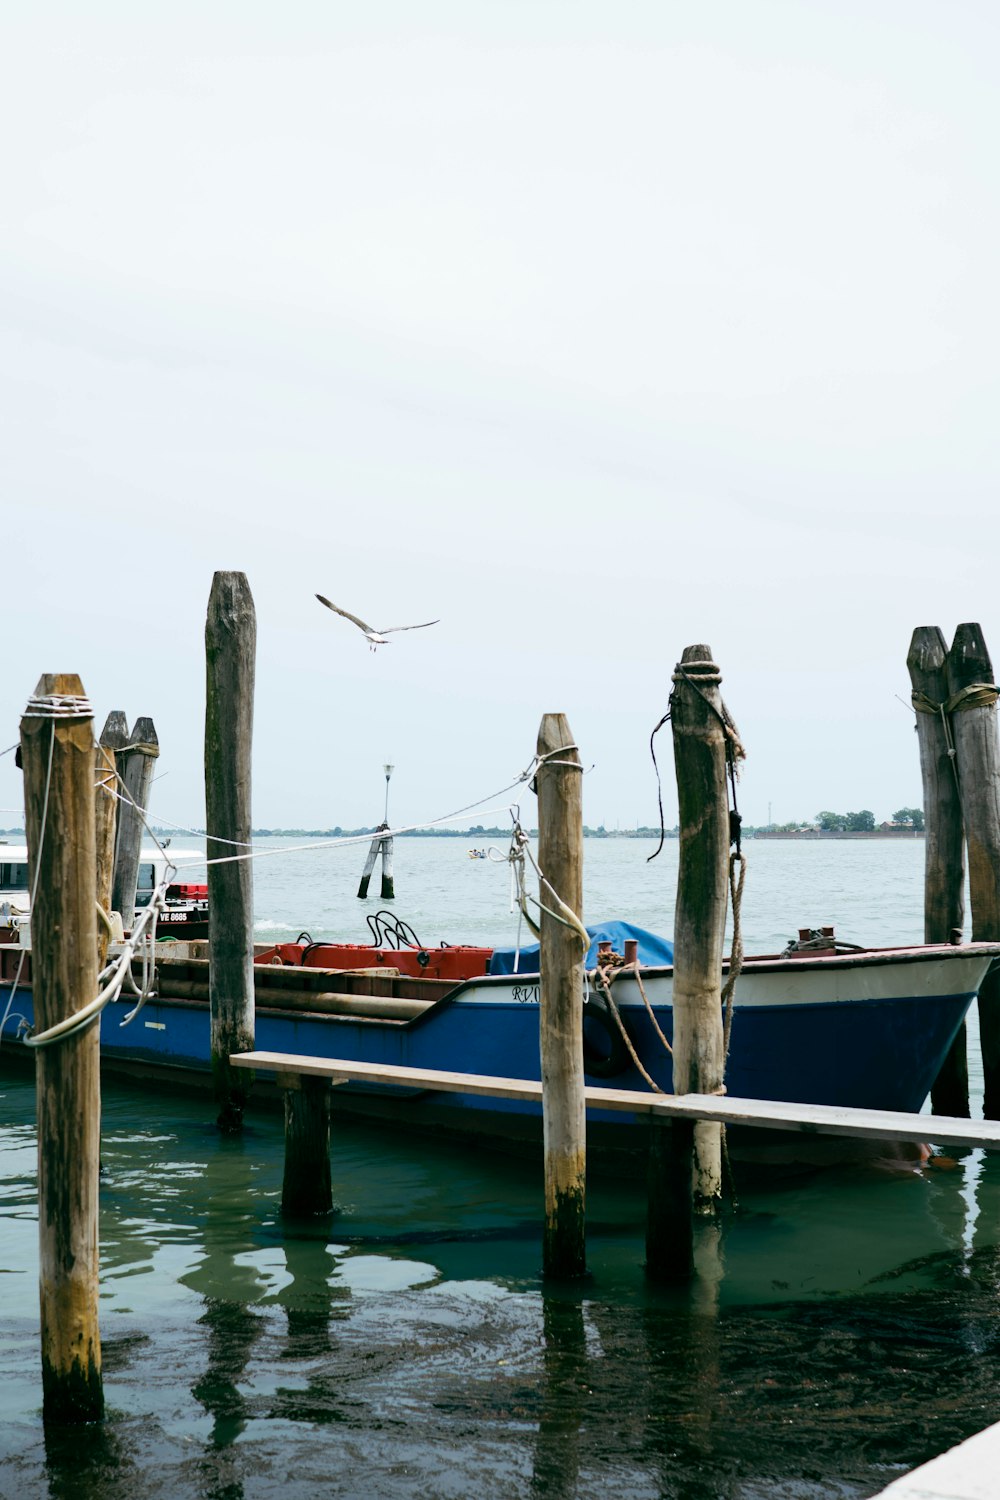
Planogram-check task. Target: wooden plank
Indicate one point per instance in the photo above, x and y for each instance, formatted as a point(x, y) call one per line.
point(768, 1114)
point(320, 1002)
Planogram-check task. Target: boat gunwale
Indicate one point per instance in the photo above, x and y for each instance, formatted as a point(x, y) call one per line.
point(870, 957)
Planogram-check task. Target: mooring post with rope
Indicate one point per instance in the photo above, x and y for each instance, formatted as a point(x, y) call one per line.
point(944, 848)
point(562, 953)
point(973, 716)
point(686, 1171)
point(138, 757)
point(57, 751)
point(230, 652)
point(114, 736)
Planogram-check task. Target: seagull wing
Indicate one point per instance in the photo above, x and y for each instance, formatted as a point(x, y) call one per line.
point(391, 629)
point(346, 614)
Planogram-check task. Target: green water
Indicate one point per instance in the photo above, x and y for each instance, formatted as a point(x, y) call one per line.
point(845, 1326)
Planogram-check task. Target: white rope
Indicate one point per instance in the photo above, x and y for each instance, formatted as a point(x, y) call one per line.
point(214, 838)
point(349, 840)
point(117, 972)
point(520, 849)
point(58, 706)
point(341, 843)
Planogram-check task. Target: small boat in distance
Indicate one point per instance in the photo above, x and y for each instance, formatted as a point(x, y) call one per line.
point(479, 854)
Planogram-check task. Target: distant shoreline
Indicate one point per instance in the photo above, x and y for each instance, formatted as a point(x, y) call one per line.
point(478, 835)
point(813, 835)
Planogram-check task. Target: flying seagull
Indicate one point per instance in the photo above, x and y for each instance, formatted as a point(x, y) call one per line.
point(374, 637)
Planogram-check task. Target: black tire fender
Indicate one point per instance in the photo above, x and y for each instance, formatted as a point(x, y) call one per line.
point(604, 1051)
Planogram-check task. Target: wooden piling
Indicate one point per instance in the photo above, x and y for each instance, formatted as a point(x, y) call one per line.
point(57, 751)
point(138, 758)
point(562, 954)
point(702, 891)
point(388, 884)
point(370, 859)
point(669, 1211)
point(113, 738)
point(944, 848)
point(306, 1188)
point(230, 648)
point(977, 754)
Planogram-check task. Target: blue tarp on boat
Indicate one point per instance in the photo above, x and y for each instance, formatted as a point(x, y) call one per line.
point(652, 949)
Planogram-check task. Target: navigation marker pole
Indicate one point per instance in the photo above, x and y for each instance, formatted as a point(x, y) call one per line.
point(380, 844)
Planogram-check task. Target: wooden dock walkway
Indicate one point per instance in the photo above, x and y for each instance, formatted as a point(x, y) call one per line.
point(768, 1114)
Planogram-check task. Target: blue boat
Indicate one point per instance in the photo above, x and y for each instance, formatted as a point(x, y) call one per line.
point(865, 1028)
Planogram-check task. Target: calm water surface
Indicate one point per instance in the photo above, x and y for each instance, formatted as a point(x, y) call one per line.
point(845, 1325)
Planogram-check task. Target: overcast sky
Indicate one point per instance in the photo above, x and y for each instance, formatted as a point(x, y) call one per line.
point(594, 330)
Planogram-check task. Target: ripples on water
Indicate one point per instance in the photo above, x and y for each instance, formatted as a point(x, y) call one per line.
point(846, 1328)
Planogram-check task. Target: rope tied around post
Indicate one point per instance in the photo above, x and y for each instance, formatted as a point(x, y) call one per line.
point(708, 672)
point(973, 695)
point(58, 706)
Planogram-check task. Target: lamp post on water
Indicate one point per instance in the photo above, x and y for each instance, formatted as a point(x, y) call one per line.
point(380, 845)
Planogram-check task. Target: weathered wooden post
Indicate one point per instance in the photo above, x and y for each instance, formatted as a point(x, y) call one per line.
point(306, 1188)
point(230, 648)
point(561, 959)
point(57, 751)
point(113, 738)
point(699, 736)
point(944, 849)
point(138, 758)
point(977, 753)
point(370, 858)
point(388, 890)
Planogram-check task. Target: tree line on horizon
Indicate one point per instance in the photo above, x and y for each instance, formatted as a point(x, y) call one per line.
point(854, 822)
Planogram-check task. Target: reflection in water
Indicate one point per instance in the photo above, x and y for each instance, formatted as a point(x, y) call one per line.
point(232, 1332)
point(563, 1400)
point(310, 1302)
point(233, 1329)
point(87, 1462)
